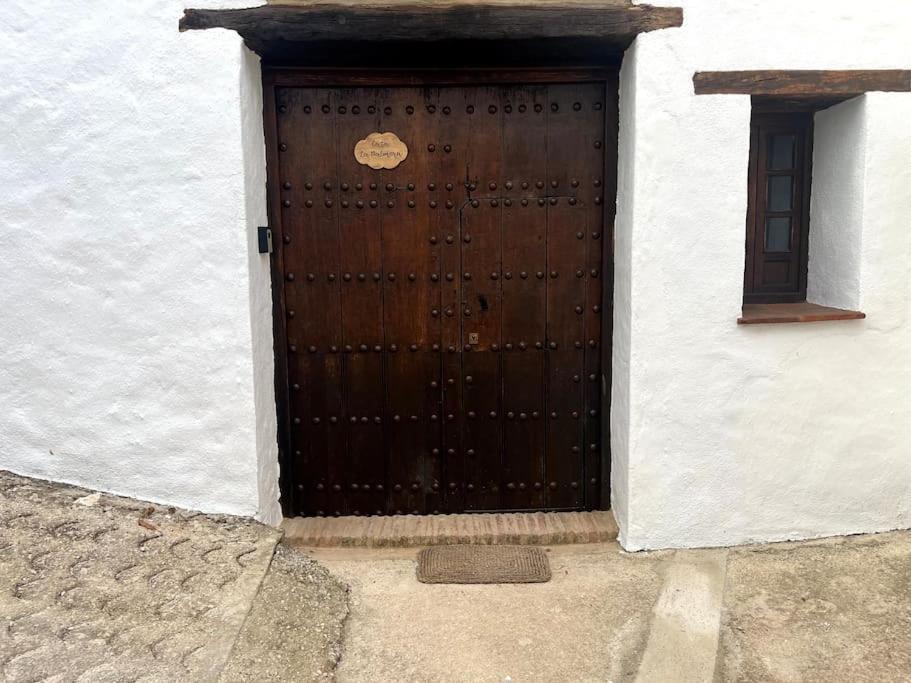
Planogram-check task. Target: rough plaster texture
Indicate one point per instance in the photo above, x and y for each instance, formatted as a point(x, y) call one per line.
point(837, 204)
point(733, 434)
point(254, 145)
point(132, 164)
point(623, 251)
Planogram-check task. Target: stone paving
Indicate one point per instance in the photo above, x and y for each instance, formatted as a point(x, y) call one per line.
point(830, 610)
point(99, 588)
point(837, 609)
point(294, 630)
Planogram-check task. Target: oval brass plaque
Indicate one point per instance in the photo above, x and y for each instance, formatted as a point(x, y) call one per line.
point(381, 150)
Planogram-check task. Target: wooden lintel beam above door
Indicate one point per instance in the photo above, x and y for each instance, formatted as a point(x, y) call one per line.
point(796, 84)
point(610, 22)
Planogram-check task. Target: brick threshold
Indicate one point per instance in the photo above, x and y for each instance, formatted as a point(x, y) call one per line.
point(403, 531)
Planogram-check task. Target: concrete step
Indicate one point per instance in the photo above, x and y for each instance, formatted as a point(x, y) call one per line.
point(532, 528)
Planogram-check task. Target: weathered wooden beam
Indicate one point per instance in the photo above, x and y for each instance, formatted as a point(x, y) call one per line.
point(772, 104)
point(845, 84)
point(618, 21)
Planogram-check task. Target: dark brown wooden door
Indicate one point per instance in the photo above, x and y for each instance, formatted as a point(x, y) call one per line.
point(443, 319)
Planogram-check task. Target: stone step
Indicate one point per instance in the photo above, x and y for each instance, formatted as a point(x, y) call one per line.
point(400, 531)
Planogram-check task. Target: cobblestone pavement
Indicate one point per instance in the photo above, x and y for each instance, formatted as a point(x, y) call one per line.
point(99, 588)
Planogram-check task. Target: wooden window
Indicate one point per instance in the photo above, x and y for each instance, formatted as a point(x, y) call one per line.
point(779, 206)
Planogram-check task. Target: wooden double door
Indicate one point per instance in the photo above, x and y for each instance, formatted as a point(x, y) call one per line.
point(443, 320)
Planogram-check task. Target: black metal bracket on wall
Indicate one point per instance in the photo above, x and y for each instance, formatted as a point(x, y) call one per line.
point(264, 239)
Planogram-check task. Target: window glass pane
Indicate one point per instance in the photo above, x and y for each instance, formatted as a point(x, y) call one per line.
point(781, 152)
point(778, 234)
point(780, 193)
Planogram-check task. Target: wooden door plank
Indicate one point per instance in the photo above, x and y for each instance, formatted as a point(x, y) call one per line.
point(409, 296)
point(450, 194)
point(564, 429)
point(312, 292)
point(568, 146)
point(431, 213)
point(524, 220)
point(480, 299)
point(590, 195)
point(524, 441)
point(310, 218)
point(318, 431)
point(481, 430)
point(524, 226)
point(364, 407)
point(361, 306)
point(480, 222)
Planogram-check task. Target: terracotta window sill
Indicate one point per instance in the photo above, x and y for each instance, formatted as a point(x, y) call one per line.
point(768, 314)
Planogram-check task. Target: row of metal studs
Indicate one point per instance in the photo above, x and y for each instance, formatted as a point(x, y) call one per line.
point(431, 108)
point(434, 277)
point(364, 348)
point(397, 488)
point(410, 187)
point(511, 415)
point(593, 377)
point(283, 146)
point(433, 204)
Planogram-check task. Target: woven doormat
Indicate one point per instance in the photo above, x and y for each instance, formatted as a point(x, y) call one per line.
point(483, 564)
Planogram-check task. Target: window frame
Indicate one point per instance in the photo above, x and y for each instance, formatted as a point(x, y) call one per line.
point(763, 125)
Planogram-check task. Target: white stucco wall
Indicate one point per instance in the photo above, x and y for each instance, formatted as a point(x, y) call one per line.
point(837, 204)
point(623, 257)
point(732, 434)
point(132, 169)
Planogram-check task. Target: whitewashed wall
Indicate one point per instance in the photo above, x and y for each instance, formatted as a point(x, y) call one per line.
point(131, 168)
point(730, 434)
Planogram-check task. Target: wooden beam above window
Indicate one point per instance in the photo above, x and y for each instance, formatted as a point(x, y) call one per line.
point(833, 85)
point(272, 29)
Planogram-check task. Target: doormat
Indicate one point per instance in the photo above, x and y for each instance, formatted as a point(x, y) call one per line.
point(483, 564)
